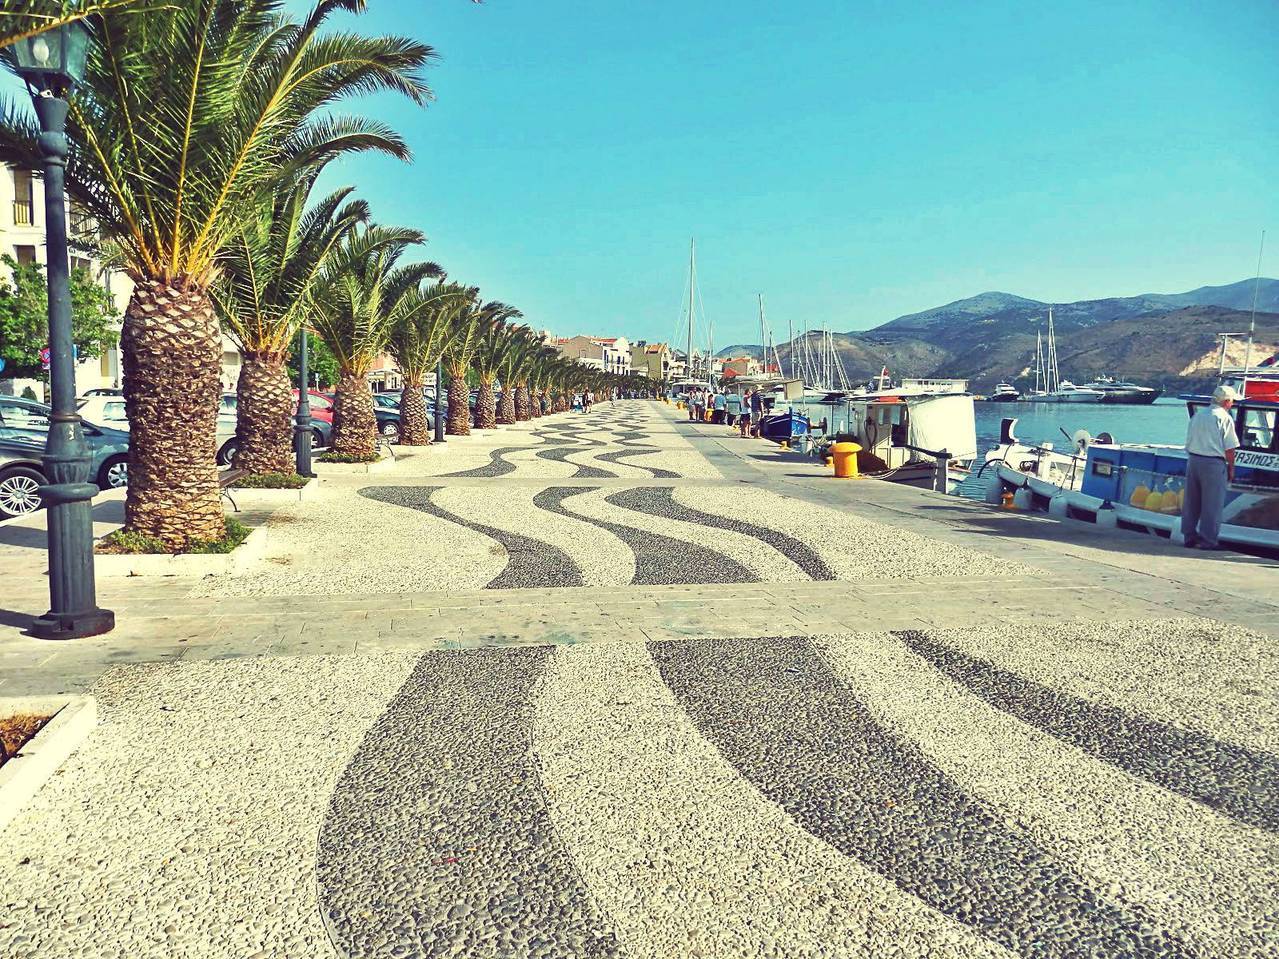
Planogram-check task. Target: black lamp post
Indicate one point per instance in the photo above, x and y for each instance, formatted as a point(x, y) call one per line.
point(439, 410)
point(51, 63)
point(302, 424)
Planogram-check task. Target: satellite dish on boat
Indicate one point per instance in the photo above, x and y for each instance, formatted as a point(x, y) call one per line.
point(1082, 440)
point(1106, 438)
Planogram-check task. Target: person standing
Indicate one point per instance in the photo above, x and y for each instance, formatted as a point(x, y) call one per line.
point(744, 421)
point(757, 412)
point(721, 406)
point(732, 409)
point(1210, 467)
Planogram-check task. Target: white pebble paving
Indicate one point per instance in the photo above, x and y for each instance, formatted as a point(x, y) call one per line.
point(185, 825)
point(603, 558)
point(395, 547)
point(686, 857)
point(1201, 874)
point(766, 563)
point(854, 548)
point(1221, 680)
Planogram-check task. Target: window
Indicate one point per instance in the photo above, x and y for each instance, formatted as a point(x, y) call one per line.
point(23, 199)
point(24, 254)
point(1258, 429)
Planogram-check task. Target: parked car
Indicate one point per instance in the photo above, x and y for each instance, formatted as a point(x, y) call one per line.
point(105, 391)
point(21, 476)
point(388, 420)
point(321, 428)
point(26, 421)
point(104, 408)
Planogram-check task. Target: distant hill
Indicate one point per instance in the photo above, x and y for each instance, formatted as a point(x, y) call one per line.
point(991, 336)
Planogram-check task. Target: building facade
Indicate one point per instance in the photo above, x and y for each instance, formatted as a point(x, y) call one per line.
point(612, 354)
point(652, 360)
point(22, 236)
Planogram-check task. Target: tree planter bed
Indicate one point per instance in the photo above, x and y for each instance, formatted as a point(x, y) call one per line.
point(352, 469)
point(186, 564)
point(39, 758)
point(255, 497)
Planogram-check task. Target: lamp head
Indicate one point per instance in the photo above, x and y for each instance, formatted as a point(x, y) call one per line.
point(53, 61)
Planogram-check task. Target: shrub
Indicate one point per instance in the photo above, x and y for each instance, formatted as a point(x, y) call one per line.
point(29, 394)
point(350, 458)
point(121, 542)
point(271, 481)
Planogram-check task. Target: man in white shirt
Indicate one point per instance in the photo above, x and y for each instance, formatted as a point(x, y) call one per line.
point(1210, 444)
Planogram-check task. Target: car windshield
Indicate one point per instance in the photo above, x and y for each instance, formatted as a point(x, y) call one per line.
point(24, 416)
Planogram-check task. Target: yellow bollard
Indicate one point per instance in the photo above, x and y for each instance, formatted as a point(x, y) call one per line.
point(846, 459)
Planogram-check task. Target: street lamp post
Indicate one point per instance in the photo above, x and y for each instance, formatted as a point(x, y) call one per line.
point(50, 63)
point(302, 425)
point(439, 410)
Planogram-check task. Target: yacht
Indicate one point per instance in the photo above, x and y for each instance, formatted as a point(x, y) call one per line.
point(1121, 391)
point(1004, 393)
point(1055, 389)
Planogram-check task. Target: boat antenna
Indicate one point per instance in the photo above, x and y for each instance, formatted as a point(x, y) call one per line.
point(1252, 324)
point(692, 284)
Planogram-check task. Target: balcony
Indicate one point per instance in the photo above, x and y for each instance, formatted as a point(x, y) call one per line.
point(23, 213)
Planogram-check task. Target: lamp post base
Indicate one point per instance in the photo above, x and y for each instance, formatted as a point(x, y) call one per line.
point(93, 622)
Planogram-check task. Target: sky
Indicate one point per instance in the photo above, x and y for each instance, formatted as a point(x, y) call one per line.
point(853, 161)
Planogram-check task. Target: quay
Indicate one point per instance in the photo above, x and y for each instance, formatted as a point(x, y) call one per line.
point(619, 684)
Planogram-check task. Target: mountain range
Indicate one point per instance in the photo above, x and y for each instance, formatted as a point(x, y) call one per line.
point(1165, 339)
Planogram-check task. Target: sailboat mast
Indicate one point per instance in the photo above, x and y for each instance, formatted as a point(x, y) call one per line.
point(1039, 357)
point(790, 341)
point(1252, 325)
point(692, 285)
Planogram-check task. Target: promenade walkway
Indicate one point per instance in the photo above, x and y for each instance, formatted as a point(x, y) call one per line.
point(618, 684)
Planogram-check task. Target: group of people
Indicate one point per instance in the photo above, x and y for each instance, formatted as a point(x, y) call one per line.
point(741, 410)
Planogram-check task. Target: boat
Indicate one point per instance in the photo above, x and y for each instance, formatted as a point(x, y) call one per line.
point(1054, 388)
point(1141, 486)
point(1004, 393)
point(1122, 392)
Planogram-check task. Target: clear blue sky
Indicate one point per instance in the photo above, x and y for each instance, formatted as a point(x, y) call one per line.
point(853, 160)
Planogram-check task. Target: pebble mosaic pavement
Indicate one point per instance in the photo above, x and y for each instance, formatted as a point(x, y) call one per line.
point(1057, 790)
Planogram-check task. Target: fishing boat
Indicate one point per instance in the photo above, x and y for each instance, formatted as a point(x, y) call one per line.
point(1121, 392)
point(1004, 393)
point(1141, 486)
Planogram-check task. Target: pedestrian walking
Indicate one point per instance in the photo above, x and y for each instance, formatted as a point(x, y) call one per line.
point(732, 409)
point(757, 412)
point(744, 421)
point(1210, 467)
point(699, 405)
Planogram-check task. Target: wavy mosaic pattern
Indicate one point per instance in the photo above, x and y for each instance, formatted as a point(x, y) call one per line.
point(756, 797)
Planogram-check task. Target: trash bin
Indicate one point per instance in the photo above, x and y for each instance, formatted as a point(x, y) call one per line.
point(845, 455)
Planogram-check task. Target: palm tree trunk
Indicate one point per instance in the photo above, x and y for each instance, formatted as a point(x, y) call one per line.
point(523, 408)
point(506, 409)
point(534, 404)
point(546, 401)
point(354, 423)
point(486, 406)
point(415, 430)
point(459, 421)
point(264, 416)
point(172, 352)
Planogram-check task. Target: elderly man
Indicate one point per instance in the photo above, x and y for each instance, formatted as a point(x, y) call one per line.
point(1210, 444)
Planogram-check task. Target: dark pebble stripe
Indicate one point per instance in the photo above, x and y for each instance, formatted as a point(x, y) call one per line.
point(560, 454)
point(1236, 781)
point(619, 456)
point(497, 465)
point(530, 562)
point(777, 712)
point(659, 560)
point(437, 840)
point(661, 502)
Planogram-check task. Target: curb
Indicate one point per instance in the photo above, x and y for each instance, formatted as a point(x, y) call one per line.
point(187, 564)
point(352, 469)
point(274, 498)
point(36, 762)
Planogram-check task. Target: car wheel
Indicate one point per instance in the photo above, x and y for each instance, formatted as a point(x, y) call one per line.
point(114, 473)
point(20, 491)
point(317, 439)
point(391, 431)
point(227, 453)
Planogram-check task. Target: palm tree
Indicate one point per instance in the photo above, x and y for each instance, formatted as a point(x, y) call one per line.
point(469, 327)
point(523, 345)
point(420, 332)
point(498, 341)
point(269, 277)
point(182, 127)
point(359, 296)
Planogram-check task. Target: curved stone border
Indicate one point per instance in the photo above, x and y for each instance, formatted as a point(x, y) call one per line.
point(660, 501)
point(775, 710)
point(1236, 781)
point(618, 456)
point(437, 840)
point(659, 560)
point(497, 465)
point(530, 562)
point(71, 719)
point(560, 455)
